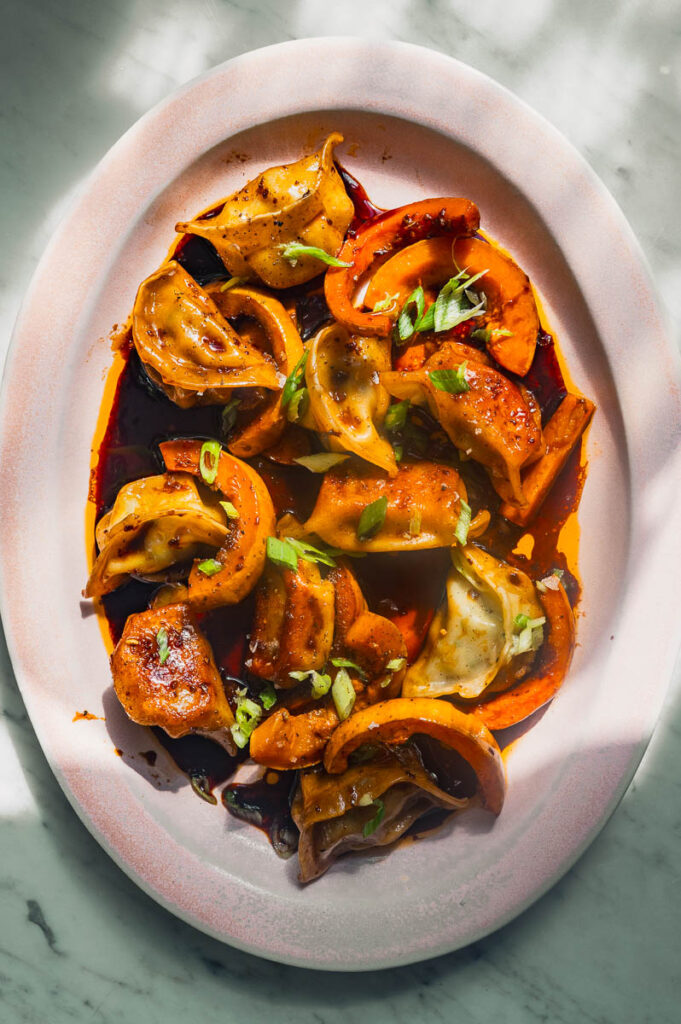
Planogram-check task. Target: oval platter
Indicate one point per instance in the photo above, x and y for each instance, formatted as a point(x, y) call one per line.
point(416, 124)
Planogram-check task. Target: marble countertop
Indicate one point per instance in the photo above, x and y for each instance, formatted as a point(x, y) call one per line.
point(79, 941)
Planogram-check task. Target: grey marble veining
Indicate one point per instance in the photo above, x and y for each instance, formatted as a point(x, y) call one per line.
point(78, 941)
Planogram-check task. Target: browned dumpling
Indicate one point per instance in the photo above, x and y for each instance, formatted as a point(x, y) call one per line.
point(302, 202)
point(188, 347)
point(293, 625)
point(335, 813)
point(155, 522)
point(472, 645)
point(347, 401)
point(165, 674)
point(490, 419)
point(422, 511)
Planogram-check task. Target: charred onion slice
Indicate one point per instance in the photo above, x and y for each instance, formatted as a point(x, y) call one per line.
point(401, 227)
point(303, 201)
point(396, 721)
point(518, 703)
point(242, 556)
point(430, 489)
point(165, 675)
point(188, 347)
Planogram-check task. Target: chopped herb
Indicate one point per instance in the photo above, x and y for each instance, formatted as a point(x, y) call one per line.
point(292, 251)
point(453, 381)
point(268, 696)
point(398, 452)
point(228, 417)
point(231, 282)
point(162, 643)
point(485, 334)
point(322, 461)
point(463, 525)
point(298, 406)
point(210, 567)
point(412, 311)
point(372, 518)
point(309, 553)
point(230, 511)
point(521, 621)
point(320, 682)
point(395, 664)
point(247, 715)
point(396, 416)
point(294, 380)
point(209, 459)
point(452, 306)
point(346, 663)
point(343, 693)
point(373, 824)
point(200, 785)
point(415, 524)
point(386, 303)
point(282, 553)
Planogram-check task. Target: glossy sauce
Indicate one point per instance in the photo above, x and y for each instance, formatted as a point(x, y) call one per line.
point(404, 587)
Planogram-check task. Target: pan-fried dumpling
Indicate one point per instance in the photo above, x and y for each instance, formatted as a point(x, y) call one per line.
point(487, 417)
point(302, 202)
point(187, 346)
point(154, 523)
point(293, 624)
point(473, 642)
point(347, 400)
point(334, 812)
point(165, 674)
point(422, 511)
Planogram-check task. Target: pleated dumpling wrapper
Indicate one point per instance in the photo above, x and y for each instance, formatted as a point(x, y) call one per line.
point(302, 202)
point(188, 347)
point(474, 640)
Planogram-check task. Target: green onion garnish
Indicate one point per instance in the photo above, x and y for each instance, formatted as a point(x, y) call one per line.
point(396, 416)
point(395, 664)
point(486, 335)
point(415, 523)
point(463, 525)
point(346, 663)
point(343, 693)
point(412, 311)
point(209, 459)
point(386, 303)
point(298, 406)
point(398, 452)
point(248, 713)
point(521, 621)
point(320, 683)
point(231, 282)
point(373, 824)
point(294, 380)
point(372, 518)
point(322, 461)
point(228, 417)
point(292, 251)
point(281, 553)
point(210, 567)
point(268, 696)
point(230, 511)
point(452, 306)
point(162, 643)
point(453, 381)
point(309, 553)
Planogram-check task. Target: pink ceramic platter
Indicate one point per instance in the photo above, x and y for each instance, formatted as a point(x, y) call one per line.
point(416, 124)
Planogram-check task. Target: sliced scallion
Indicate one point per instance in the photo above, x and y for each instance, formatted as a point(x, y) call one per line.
point(162, 644)
point(322, 461)
point(231, 282)
point(298, 406)
point(373, 824)
point(210, 567)
point(230, 511)
point(292, 251)
point(343, 693)
point(209, 459)
point(294, 380)
point(453, 381)
point(396, 416)
point(395, 664)
point(463, 525)
point(228, 417)
point(281, 553)
point(346, 663)
point(268, 696)
point(372, 518)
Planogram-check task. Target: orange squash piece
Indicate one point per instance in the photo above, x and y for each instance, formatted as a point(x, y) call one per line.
point(401, 227)
point(242, 556)
point(396, 721)
point(285, 741)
